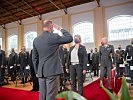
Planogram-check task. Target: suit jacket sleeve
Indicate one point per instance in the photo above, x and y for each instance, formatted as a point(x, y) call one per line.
point(125, 54)
point(35, 58)
point(113, 55)
point(66, 38)
point(100, 55)
point(3, 58)
point(68, 59)
point(85, 58)
point(16, 58)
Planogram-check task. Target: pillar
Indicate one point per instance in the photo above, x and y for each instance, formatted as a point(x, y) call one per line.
point(20, 37)
point(99, 24)
point(39, 27)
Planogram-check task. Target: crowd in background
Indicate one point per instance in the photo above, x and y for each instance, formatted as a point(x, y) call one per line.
point(74, 63)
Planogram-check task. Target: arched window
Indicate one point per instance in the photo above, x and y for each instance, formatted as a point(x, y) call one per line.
point(1, 42)
point(120, 28)
point(12, 42)
point(85, 30)
point(29, 37)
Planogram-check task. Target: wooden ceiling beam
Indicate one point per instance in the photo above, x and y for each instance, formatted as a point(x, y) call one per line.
point(13, 16)
point(18, 8)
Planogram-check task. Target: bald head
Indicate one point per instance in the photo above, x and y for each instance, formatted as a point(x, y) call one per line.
point(104, 40)
point(48, 25)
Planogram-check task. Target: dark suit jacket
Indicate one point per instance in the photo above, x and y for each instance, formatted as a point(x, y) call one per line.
point(119, 56)
point(82, 55)
point(13, 59)
point(95, 58)
point(63, 55)
point(106, 55)
point(46, 53)
point(89, 60)
point(2, 57)
point(23, 59)
point(129, 52)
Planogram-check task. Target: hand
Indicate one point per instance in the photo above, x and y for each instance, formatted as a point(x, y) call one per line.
point(67, 70)
point(99, 65)
point(56, 27)
point(36, 75)
point(84, 72)
point(2, 66)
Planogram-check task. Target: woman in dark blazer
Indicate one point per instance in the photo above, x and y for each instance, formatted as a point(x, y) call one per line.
point(76, 64)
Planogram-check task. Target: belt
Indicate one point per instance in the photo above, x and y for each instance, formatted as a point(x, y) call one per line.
point(74, 63)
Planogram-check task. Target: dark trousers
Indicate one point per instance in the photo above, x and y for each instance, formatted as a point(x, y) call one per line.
point(48, 87)
point(76, 72)
point(1, 76)
point(24, 73)
point(35, 83)
point(96, 69)
point(13, 73)
point(119, 70)
point(103, 72)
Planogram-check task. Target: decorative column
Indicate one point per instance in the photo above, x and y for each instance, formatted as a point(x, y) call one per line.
point(66, 26)
point(4, 39)
point(39, 27)
point(99, 24)
point(20, 37)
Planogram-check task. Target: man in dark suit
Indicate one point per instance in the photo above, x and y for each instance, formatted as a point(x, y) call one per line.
point(119, 60)
point(63, 56)
point(95, 62)
point(76, 64)
point(106, 56)
point(12, 63)
point(2, 63)
point(23, 62)
point(46, 59)
point(128, 57)
point(33, 75)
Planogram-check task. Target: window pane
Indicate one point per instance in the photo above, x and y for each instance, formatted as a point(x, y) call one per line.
point(120, 28)
point(13, 42)
point(29, 37)
point(85, 30)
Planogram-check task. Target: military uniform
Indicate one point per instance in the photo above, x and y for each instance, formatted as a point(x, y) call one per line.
point(95, 63)
point(24, 61)
point(2, 62)
point(106, 59)
point(12, 62)
point(119, 60)
point(129, 54)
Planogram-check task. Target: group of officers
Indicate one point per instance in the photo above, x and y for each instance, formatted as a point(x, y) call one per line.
point(104, 59)
point(18, 65)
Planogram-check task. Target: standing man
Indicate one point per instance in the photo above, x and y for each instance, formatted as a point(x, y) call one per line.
point(95, 62)
point(12, 63)
point(106, 60)
point(2, 62)
point(33, 75)
point(76, 64)
point(23, 62)
point(46, 59)
point(129, 59)
point(63, 56)
point(90, 57)
point(119, 60)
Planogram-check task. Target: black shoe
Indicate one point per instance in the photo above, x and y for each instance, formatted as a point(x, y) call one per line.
point(110, 90)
